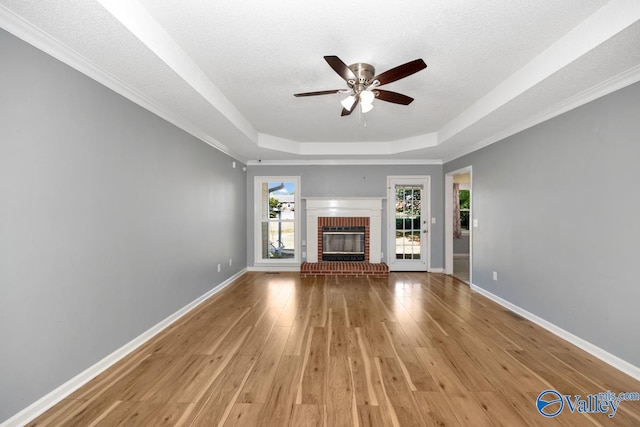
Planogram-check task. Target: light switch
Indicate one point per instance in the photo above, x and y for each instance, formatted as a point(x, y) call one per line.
point(433, 220)
point(475, 222)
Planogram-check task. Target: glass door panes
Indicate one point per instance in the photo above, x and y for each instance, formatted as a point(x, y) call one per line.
point(408, 221)
point(277, 222)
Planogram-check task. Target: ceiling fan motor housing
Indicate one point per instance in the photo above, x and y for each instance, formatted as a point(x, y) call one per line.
point(364, 74)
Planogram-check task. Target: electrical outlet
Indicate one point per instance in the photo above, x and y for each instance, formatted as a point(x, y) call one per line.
point(495, 275)
point(219, 268)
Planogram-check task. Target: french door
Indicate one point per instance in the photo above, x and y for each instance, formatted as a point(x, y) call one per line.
point(408, 223)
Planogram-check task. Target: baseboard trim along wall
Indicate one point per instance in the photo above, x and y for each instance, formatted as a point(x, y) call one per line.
point(49, 400)
point(274, 268)
point(592, 349)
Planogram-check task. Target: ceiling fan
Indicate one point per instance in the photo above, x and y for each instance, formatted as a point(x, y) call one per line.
point(363, 84)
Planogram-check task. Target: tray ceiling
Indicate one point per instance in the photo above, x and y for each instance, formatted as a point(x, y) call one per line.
point(226, 71)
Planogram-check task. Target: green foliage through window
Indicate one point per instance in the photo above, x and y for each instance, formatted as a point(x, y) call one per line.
point(274, 207)
point(465, 205)
point(465, 199)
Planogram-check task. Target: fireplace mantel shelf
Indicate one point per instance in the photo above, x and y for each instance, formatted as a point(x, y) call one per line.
point(327, 202)
point(330, 206)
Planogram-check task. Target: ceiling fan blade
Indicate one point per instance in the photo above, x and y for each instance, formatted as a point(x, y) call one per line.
point(340, 67)
point(400, 72)
point(395, 97)
point(346, 112)
point(320, 92)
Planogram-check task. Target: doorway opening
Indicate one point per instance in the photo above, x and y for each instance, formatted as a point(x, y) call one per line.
point(458, 224)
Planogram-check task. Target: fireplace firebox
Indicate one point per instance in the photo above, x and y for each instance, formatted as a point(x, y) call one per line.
point(343, 243)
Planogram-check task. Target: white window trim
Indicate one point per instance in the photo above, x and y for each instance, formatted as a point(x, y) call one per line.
point(257, 221)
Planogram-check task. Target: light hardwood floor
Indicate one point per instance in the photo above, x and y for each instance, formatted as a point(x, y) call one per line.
point(277, 350)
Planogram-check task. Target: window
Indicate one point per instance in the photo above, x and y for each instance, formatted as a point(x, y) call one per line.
point(465, 208)
point(277, 219)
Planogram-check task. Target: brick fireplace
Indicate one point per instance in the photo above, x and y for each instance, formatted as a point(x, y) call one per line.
point(346, 212)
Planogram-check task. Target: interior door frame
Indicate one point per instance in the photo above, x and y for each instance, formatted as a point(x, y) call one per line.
point(424, 264)
point(448, 221)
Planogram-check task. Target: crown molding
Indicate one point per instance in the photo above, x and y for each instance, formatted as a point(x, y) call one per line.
point(604, 88)
point(41, 40)
point(338, 162)
point(611, 19)
point(136, 19)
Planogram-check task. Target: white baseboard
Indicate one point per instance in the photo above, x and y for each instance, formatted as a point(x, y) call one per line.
point(273, 268)
point(592, 349)
point(436, 270)
point(41, 405)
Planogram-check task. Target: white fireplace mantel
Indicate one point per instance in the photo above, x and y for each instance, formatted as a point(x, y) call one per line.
point(345, 207)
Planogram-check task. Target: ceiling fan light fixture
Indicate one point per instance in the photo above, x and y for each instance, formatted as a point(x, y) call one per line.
point(366, 107)
point(366, 97)
point(348, 102)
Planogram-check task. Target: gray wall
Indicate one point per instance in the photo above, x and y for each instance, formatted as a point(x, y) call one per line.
point(110, 220)
point(356, 181)
point(557, 210)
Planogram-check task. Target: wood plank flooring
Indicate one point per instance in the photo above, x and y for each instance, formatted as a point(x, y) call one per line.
point(412, 350)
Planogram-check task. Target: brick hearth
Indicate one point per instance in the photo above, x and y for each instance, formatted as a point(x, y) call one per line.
point(340, 268)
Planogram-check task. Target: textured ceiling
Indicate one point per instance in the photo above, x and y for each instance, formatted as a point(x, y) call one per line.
point(226, 71)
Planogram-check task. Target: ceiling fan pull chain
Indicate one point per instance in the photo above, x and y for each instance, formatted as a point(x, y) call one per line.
point(362, 118)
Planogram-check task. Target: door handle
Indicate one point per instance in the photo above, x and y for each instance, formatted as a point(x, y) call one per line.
point(424, 231)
